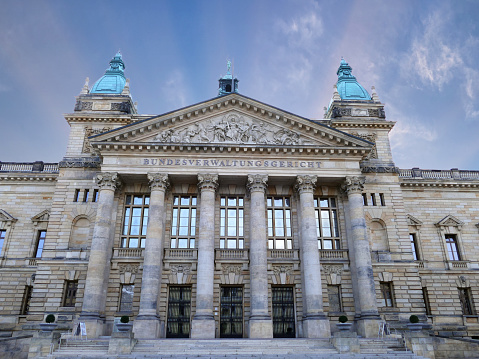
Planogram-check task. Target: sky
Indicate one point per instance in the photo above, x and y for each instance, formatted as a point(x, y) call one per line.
point(421, 56)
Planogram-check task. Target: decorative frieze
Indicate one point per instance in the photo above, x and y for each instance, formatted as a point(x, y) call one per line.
point(231, 274)
point(379, 169)
point(121, 106)
point(283, 274)
point(180, 274)
point(89, 131)
point(80, 162)
point(128, 272)
point(83, 105)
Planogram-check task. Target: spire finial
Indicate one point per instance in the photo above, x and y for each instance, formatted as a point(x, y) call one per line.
point(85, 90)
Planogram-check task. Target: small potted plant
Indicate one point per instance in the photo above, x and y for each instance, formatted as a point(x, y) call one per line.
point(49, 324)
point(414, 324)
point(343, 324)
point(124, 325)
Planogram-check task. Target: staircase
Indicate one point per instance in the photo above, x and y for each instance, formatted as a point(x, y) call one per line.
point(233, 348)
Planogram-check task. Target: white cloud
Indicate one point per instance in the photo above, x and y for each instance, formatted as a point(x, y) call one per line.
point(173, 90)
point(303, 32)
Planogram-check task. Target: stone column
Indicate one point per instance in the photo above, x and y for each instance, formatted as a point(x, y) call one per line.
point(260, 323)
point(203, 323)
point(364, 288)
point(147, 324)
point(315, 322)
point(94, 298)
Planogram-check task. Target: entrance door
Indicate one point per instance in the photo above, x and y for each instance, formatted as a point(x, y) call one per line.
point(283, 312)
point(179, 311)
point(231, 320)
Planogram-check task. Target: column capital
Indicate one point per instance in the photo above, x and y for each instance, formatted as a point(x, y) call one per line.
point(108, 180)
point(207, 181)
point(158, 180)
point(305, 183)
point(257, 183)
point(353, 184)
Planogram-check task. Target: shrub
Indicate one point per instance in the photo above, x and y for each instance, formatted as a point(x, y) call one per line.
point(414, 319)
point(125, 319)
point(343, 319)
point(50, 318)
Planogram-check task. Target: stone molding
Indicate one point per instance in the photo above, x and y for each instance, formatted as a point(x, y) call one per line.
point(80, 162)
point(6, 219)
point(43, 216)
point(128, 272)
point(208, 181)
point(450, 221)
point(180, 274)
point(89, 131)
point(305, 183)
point(108, 180)
point(353, 184)
point(463, 282)
point(257, 183)
point(379, 169)
point(283, 274)
point(231, 274)
point(158, 181)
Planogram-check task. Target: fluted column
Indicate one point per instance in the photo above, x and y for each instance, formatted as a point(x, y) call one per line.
point(147, 324)
point(94, 298)
point(364, 288)
point(260, 323)
point(315, 322)
point(203, 323)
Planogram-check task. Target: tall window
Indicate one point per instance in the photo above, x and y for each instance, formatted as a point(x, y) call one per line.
point(70, 295)
point(334, 296)
point(279, 223)
point(232, 223)
point(183, 224)
point(2, 240)
point(27, 296)
point(452, 248)
point(413, 240)
point(425, 297)
point(387, 296)
point(327, 223)
point(126, 297)
point(135, 221)
point(40, 243)
point(466, 301)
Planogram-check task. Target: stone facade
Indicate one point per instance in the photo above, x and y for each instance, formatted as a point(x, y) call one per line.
point(205, 222)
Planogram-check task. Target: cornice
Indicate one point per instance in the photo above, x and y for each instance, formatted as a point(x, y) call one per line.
point(360, 124)
point(50, 177)
point(437, 184)
point(123, 119)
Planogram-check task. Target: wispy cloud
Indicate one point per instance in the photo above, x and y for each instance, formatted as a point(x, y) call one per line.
point(173, 90)
point(302, 32)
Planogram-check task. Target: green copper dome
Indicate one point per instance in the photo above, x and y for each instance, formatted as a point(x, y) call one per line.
point(348, 87)
point(113, 81)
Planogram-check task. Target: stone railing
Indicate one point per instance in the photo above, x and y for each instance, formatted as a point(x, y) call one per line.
point(452, 174)
point(458, 264)
point(241, 254)
point(283, 254)
point(34, 167)
point(181, 253)
point(333, 254)
point(31, 261)
point(128, 252)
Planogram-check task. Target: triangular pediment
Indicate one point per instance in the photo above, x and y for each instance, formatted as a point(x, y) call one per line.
point(6, 218)
point(43, 216)
point(450, 221)
point(232, 120)
point(413, 221)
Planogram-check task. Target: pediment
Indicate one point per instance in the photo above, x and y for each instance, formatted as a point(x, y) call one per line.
point(413, 221)
point(450, 221)
point(6, 218)
point(232, 120)
point(43, 216)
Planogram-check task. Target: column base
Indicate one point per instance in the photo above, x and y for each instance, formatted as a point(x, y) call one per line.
point(94, 325)
point(260, 327)
point(148, 327)
point(316, 327)
point(121, 343)
point(203, 328)
point(368, 328)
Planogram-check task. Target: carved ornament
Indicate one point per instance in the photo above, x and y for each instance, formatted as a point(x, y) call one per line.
point(379, 169)
point(305, 183)
point(230, 268)
point(257, 183)
point(353, 184)
point(158, 181)
point(108, 180)
point(332, 269)
point(371, 137)
point(80, 162)
point(92, 132)
point(207, 181)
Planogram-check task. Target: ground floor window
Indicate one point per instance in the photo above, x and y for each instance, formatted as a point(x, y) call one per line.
point(283, 312)
point(387, 294)
point(27, 296)
point(231, 320)
point(70, 294)
point(179, 312)
point(466, 301)
point(334, 296)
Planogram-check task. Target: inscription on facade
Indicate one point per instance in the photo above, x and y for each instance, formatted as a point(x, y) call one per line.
point(185, 162)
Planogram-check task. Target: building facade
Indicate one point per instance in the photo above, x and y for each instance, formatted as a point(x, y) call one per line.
point(234, 218)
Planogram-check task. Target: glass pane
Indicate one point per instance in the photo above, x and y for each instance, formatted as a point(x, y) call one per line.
point(232, 243)
point(287, 202)
point(185, 201)
point(328, 244)
point(183, 243)
point(278, 202)
point(335, 223)
point(143, 242)
point(223, 201)
point(333, 202)
point(270, 244)
point(240, 244)
point(231, 201)
point(240, 202)
point(173, 243)
point(123, 243)
point(175, 201)
point(128, 199)
point(289, 244)
point(137, 200)
point(133, 243)
point(323, 202)
point(222, 243)
point(280, 244)
point(135, 230)
point(192, 243)
point(269, 201)
point(147, 200)
point(193, 201)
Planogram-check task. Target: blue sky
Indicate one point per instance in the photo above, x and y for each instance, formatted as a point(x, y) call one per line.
point(422, 57)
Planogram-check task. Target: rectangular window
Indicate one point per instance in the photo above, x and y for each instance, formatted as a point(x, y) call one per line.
point(452, 248)
point(3, 233)
point(466, 301)
point(327, 227)
point(40, 243)
point(413, 240)
point(179, 312)
point(126, 297)
point(387, 296)
point(280, 234)
point(425, 297)
point(334, 296)
point(85, 195)
point(381, 198)
point(95, 195)
point(135, 221)
point(373, 199)
point(76, 197)
point(27, 296)
point(70, 295)
point(232, 223)
point(183, 223)
point(365, 199)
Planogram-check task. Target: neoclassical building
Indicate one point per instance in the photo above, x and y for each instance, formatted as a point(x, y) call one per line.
point(235, 218)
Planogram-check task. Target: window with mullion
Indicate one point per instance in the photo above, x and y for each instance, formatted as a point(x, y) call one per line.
point(452, 247)
point(3, 233)
point(232, 222)
point(183, 222)
point(135, 221)
point(279, 223)
point(327, 227)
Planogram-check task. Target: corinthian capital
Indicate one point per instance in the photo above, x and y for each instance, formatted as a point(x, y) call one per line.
point(158, 180)
point(257, 183)
point(353, 184)
point(207, 181)
point(108, 180)
point(305, 183)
